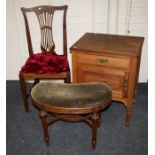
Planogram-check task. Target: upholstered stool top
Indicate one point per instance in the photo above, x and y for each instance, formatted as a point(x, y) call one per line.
point(62, 95)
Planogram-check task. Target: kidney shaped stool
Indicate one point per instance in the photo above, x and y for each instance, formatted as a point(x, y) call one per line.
point(71, 102)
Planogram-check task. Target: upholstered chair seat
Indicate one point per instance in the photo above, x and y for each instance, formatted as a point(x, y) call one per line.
point(42, 63)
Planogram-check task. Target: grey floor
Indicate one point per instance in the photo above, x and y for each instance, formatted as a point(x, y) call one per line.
point(25, 135)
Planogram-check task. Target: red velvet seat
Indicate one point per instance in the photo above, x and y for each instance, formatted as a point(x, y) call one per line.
point(45, 63)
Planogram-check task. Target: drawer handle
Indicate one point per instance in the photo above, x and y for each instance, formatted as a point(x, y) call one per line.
point(101, 61)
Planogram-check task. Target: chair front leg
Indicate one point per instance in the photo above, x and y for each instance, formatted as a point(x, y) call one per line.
point(24, 92)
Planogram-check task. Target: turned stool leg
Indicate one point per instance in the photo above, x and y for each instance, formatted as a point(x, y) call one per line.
point(43, 117)
point(95, 119)
point(99, 120)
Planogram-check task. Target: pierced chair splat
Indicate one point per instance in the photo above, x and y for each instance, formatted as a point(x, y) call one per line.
point(47, 64)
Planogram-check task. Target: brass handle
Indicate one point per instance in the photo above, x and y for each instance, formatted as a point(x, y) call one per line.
point(101, 61)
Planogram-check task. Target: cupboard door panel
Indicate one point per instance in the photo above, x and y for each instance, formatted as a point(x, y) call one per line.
point(116, 79)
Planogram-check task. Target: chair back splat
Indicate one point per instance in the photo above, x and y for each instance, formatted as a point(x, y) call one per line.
point(45, 15)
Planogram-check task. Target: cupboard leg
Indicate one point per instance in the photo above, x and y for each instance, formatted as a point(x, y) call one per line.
point(128, 116)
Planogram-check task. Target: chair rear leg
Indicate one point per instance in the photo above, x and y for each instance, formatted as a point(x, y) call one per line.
point(68, 78)
point(36, 81)
point(24, 92)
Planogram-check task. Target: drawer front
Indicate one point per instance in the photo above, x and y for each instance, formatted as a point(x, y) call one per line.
point(109, 61)
point(115, 78)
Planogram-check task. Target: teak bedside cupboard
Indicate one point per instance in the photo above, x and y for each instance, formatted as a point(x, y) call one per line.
point(111, 59)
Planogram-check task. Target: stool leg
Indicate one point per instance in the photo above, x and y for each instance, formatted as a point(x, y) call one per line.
point(95, 118)
point(99, 120)
point(43, 117)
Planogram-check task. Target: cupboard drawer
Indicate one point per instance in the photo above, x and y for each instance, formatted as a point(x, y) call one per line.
point(104, 60)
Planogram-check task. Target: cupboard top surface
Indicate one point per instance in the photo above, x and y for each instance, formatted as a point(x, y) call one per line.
point(111, 44)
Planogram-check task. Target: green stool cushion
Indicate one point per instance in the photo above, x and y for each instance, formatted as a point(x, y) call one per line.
point(70, 95)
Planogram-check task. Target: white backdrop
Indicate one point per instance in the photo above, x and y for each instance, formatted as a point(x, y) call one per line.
point(83, 16)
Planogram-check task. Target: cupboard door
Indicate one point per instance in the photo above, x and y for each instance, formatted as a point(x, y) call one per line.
point(117, 79)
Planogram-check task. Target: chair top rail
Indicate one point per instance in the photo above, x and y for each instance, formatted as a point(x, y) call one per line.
point(44, 8)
